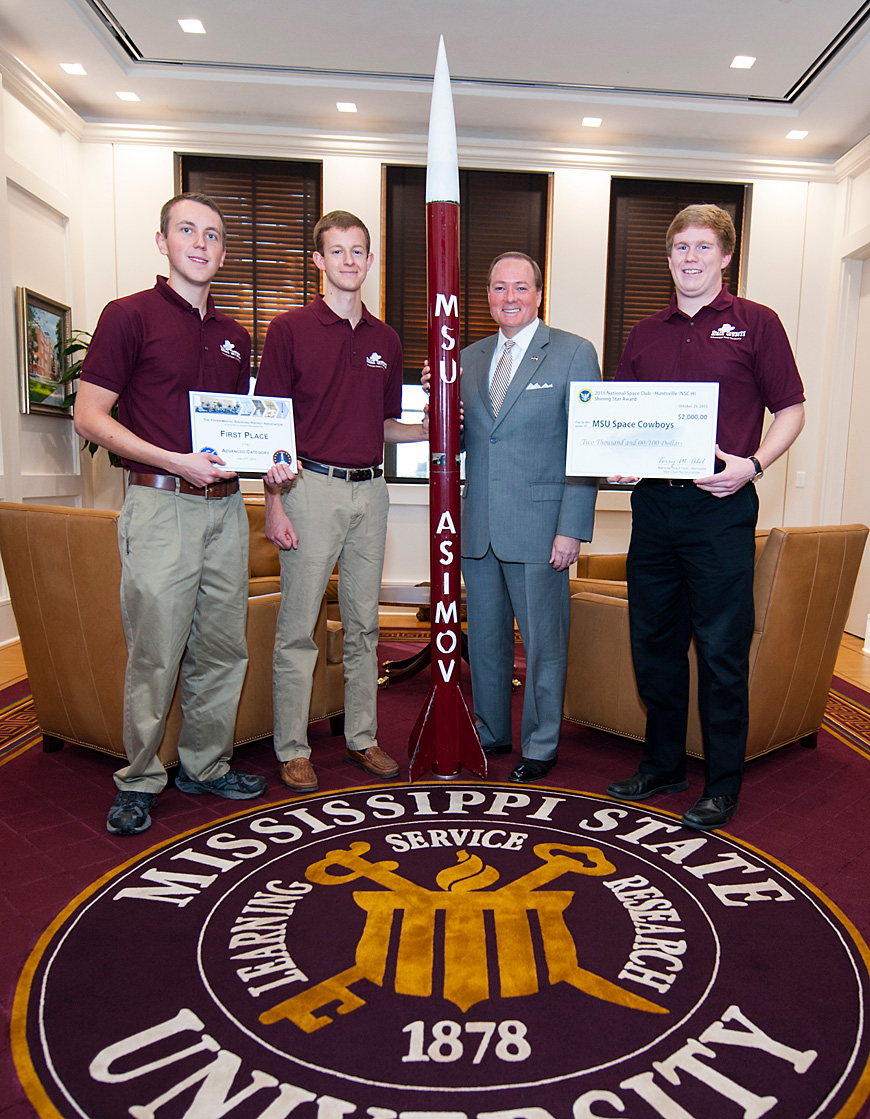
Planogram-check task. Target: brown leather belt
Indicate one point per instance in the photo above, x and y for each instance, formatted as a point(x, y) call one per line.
point(178, 485)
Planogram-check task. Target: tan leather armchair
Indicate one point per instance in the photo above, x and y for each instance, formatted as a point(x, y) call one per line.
point(64, 571)
point(804, 579)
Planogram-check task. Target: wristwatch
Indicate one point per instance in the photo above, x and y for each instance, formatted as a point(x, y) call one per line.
point(758, 471)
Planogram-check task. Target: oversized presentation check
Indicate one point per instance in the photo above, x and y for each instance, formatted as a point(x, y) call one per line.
point(644, 429)
point(248, 432)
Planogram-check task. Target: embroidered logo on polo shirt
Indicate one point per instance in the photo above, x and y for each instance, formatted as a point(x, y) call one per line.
point(376, 361)
point(726, 330)
point(229, 350)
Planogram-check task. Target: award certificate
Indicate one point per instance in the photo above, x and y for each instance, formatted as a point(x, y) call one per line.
point(645, 429)
point(248, 432)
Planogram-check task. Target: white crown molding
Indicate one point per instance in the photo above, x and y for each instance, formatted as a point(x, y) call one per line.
point(503, 154)
point(855, 161)
point(33, 92)
point(269, 141)
point(262, 140)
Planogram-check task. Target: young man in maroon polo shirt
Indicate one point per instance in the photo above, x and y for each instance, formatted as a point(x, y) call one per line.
point(692, 550)
point(343, 369)
point(183, 530)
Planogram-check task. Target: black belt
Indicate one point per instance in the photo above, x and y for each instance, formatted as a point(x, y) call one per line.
point(364, 474)
point(216, 490)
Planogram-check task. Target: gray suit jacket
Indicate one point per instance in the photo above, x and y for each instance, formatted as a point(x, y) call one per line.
point(517, 497)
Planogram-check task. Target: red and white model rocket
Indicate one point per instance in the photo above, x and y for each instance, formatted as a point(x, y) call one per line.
point(444, 738)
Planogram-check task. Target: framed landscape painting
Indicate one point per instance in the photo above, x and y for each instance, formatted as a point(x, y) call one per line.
point(43, 335)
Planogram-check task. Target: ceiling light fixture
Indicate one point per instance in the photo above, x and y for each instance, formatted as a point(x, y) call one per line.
point(127, 96)
point(797, 134)
point(742, 62)
point(191, 26)
point(345, 106)
point(592, 122)
point(73, 68)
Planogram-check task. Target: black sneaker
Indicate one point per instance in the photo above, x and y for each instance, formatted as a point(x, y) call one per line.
point(130, 813)
point(234, 785)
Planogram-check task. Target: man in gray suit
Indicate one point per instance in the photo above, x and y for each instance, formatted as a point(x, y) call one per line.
point(522, 519)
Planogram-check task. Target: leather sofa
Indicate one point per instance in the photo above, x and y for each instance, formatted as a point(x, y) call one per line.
point(63, 570)
point(804, 579)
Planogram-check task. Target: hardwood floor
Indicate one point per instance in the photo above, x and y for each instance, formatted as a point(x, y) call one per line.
point(852, 664)
point(11, 664)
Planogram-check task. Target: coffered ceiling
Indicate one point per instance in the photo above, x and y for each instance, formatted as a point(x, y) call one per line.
point(658, 75)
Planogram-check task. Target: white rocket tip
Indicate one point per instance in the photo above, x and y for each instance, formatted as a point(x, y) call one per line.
point(442, 163)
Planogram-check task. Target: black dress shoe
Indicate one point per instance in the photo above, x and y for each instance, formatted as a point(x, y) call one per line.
point(710, 812)
point(497, 748)
point(530, 769)
point(644, 785)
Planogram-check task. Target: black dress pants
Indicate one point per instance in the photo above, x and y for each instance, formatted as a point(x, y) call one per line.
point(690, 571)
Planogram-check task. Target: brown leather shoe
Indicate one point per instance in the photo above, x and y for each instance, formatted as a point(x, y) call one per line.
point(298, 775)
point(374, 761)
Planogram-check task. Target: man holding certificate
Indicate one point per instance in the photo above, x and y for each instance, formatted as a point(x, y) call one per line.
point(692, 550)
point(343, 369)
point(183, 530)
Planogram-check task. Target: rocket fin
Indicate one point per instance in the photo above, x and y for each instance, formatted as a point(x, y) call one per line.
point(421, 747)
point(470, 750)
point(444, 737)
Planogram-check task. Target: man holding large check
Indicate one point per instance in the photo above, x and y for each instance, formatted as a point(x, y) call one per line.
point(692, 551)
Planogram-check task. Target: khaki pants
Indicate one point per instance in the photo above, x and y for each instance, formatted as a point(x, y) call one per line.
point(335, 521)
point(184, 592)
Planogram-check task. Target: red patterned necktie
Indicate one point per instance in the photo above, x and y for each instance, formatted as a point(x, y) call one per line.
point(502, 377)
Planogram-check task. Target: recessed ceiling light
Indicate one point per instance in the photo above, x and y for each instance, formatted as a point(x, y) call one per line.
point(797, 134)
point(592, 122)
point(345, 106)
point(73, 68)
point(191, 26)
point(742, 62)
point(127, 96)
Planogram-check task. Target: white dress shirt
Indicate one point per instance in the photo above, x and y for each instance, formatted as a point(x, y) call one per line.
point(521, 342)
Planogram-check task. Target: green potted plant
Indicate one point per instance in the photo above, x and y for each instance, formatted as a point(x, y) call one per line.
point(72, 356)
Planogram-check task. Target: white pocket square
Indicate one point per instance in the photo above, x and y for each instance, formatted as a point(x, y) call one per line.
point(535, 385)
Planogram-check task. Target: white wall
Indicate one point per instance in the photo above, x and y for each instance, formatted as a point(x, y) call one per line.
point(578, 252)
point(40, 249)
point(81, 205)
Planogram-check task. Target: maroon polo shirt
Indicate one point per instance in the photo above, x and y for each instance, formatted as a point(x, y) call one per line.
point(740, 344)
point(344, 381)
point(151, 349)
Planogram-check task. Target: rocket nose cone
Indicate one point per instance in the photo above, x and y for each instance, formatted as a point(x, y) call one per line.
point(442, 170)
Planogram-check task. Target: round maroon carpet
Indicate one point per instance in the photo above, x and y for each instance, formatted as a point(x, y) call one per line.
point(446, 949)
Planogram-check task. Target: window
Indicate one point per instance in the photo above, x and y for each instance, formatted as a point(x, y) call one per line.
point(500, 211)
point(271, 207)
point(638, 280)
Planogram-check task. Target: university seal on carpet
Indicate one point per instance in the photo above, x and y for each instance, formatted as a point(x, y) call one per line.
point(447, 951)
